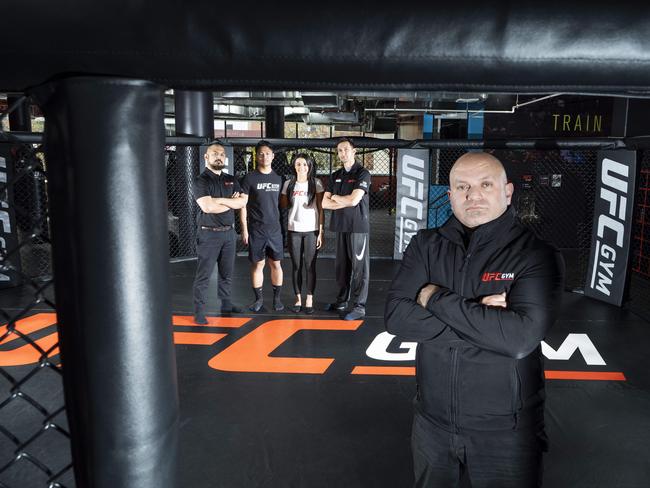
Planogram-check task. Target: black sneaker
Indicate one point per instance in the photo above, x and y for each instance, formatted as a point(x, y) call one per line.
point(230, 308)
point(278, 306)
point(199, 318)
point(309, 310)
point(256, 306)
point(356, 313)
point(336, 306)
point(295, 308)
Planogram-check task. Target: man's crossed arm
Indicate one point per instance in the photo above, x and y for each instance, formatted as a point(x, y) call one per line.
point(214, 205)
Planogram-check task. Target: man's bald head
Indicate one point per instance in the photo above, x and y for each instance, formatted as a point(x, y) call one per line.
point(474, 160)
point(479, 191)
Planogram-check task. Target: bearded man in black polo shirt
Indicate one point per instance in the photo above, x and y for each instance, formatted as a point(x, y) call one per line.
point(260, 225)
point(218, 195)
point(348, 199)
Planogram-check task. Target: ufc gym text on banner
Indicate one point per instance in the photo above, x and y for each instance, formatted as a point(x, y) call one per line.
point(411, 210)
point(611, 234)
point(8, 231)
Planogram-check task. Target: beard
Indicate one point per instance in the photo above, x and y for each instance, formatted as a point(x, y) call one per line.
point(217, 165)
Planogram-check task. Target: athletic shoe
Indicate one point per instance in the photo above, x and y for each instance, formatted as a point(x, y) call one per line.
point(278, 306)
point(336, 306)
point(309, 310)
point(256, 306)
point(230, 309)
point(356, 313)
point(199, 318)
point(295, 308)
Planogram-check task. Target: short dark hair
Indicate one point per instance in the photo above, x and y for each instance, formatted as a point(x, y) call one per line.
point(262, 144)
point(345, 139)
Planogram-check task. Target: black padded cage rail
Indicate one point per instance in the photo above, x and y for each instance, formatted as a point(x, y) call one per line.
point(526, 46)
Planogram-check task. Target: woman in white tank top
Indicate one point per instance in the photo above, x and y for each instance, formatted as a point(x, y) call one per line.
point(302, 195)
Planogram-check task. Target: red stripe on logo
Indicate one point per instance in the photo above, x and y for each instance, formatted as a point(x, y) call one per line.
point(584, 375)
point(548, 374)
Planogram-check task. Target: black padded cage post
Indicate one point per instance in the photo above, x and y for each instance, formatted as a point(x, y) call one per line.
point(19, 119)
point(104, 141)
point(193, 117)
point(274, 120)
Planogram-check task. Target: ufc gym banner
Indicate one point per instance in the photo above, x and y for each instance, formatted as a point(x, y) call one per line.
point(612, 230)
point(8, 231)
point(411, 210)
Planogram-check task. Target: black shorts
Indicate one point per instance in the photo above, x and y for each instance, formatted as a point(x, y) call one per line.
point(265, 245)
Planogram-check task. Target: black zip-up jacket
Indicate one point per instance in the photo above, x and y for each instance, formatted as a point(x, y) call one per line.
point(478, 367)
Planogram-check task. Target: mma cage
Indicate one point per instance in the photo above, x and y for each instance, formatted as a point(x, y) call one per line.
point(99, 203)
point(32, 403)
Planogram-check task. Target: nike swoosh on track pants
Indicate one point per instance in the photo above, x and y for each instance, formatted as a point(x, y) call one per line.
point(352, 267)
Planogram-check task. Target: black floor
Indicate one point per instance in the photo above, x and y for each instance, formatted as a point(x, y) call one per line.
point(261, 429)
point(252, 417)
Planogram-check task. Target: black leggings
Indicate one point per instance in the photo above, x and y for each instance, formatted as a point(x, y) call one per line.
point(302, 248)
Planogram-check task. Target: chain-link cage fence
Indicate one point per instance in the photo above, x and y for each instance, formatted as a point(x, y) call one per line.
point(639, 289)
point(30, 208)
point(182, 167)
point(34, 437)
point(554, 196)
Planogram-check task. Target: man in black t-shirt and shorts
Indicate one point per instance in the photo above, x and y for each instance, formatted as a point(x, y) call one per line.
point(348, 199)
point(260, 224)
point(218, 195)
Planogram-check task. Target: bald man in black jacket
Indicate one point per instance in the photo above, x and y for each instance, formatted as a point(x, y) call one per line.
point(478, 295)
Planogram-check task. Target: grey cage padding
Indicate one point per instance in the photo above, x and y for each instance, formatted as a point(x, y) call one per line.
point(452, 45)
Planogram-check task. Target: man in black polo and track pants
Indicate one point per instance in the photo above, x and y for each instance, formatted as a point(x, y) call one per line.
point(261, 227)
point(348, 199)
point(217, 194)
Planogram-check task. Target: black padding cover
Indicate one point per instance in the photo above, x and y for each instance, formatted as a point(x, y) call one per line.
point(104, 143)
point(478, 45)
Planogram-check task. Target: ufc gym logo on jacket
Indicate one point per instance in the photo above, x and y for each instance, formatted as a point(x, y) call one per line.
point(498, 277)
point(268, 186)
point(412, 200)
point(611, 234)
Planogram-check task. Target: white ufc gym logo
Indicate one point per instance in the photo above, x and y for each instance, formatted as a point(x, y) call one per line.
point(378, 349)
